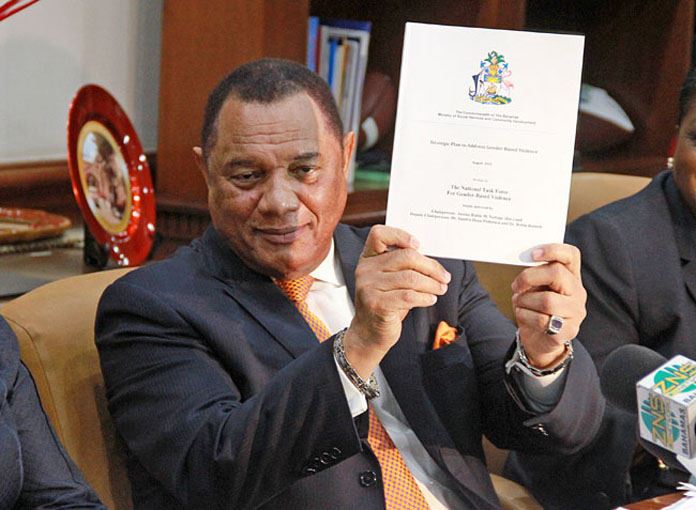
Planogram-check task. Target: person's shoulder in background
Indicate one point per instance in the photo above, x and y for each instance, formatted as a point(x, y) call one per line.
point(36, 470)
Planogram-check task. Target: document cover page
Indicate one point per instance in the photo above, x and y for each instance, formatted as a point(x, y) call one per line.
point(484, 139)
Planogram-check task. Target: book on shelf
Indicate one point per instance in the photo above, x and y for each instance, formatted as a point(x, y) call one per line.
point(312, 36)
point(348, 93)
point(337, 50)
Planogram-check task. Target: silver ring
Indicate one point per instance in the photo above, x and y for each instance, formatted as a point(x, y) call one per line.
point(555, 325)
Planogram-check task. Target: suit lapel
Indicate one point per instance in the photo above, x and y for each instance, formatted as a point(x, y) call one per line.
point(401, 366)
point(258, 295)
point(349, 246)
point(266, 303)
point(403, 369)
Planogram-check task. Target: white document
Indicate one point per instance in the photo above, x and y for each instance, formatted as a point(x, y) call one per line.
point(483, 148)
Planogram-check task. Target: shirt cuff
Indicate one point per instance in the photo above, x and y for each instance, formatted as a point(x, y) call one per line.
point(541, 394)
point(357, 403)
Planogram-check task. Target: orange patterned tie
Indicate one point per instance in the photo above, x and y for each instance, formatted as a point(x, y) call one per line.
point(296, 291)
point(401, 491)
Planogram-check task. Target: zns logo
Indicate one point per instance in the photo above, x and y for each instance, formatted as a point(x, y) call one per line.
point(674, 379)
point(654, 414)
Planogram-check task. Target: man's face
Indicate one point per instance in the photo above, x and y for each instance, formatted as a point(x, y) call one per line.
point(277, 183)
point(685, 157)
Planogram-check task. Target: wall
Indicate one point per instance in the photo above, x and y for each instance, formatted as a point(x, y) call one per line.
point(52, 48)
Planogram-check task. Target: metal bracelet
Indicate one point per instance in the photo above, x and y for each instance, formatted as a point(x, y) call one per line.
point(547, 371)
point(368, 388)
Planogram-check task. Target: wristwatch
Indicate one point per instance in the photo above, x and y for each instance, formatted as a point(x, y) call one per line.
point(520, 361)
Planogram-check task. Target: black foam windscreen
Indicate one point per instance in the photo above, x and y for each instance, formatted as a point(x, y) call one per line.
point(623, 368)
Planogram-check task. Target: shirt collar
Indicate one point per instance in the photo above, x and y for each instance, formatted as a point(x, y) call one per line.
point(329, 270)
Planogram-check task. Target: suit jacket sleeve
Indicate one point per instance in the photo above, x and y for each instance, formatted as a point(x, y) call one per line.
point(507, 422)
point(185, 418)
point(51, 479)
point(35, 470)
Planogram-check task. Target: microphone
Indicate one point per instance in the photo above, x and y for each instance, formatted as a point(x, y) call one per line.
point(622, 369)
point(619, 376)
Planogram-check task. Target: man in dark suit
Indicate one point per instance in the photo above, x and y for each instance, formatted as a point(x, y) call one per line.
point(225, 397)
point(639, 268)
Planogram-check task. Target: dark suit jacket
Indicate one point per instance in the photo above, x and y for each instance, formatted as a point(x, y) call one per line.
point(35, 471)
point(226, 400)
point(639, 269)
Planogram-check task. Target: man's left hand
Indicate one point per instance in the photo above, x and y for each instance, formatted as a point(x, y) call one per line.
point(551, 289)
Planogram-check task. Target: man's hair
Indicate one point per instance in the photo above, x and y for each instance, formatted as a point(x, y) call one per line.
point(266, 81)
point(686, 96)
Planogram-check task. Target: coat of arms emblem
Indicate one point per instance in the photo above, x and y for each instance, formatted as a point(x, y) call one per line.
point(492, 84)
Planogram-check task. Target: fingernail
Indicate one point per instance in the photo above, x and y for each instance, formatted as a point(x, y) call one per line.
point(415, 243)
point(514, 298)
point(443, 288)
point(537, 252)
point(447, 277)
point(433, 298)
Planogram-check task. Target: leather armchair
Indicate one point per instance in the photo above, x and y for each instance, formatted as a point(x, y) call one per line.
point(55, 328)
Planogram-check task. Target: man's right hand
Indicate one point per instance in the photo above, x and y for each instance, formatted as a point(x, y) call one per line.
point(391, 279)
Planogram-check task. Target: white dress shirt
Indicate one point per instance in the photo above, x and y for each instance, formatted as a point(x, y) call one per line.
point(329, 300)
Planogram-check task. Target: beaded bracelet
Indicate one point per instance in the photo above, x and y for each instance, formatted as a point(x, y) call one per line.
point(368, 388)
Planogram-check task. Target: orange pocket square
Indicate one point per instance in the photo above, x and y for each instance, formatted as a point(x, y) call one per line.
point(445, 334)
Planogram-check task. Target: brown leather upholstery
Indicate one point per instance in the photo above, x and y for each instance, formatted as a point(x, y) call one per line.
point(55, 328)
point(588, 191)
point(592, 190)
point(513, 496)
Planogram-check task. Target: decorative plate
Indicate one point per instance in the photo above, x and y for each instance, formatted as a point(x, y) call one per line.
point(18, 225)
point(110, 176)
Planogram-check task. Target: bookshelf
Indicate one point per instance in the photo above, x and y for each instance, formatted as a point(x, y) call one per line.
point(388, 18)
point(639, 51)
point(199, 46)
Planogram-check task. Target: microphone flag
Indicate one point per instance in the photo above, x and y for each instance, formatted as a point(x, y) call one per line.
point(667, 406)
